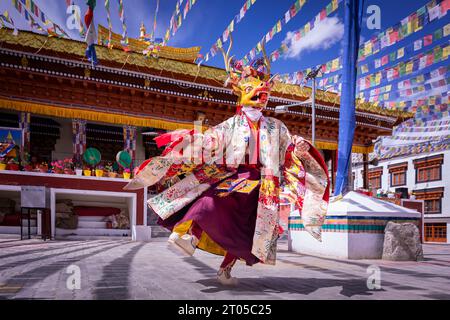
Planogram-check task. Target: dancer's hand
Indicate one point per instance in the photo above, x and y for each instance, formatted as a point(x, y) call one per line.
point(301, 146)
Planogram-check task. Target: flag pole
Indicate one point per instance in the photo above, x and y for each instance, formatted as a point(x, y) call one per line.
point(347, 118)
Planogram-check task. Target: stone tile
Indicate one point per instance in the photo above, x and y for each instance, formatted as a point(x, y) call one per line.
point(133, 270)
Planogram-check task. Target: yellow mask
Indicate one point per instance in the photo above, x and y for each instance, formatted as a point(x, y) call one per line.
point(251, 86)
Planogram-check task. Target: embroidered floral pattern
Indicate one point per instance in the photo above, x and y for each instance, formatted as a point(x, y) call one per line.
point(304, 179)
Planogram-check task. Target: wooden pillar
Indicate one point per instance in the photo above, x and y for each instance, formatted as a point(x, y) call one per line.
point(78, 140)
point(333, 168)
point(129, 140)
point(365, 171)
point(24, 122)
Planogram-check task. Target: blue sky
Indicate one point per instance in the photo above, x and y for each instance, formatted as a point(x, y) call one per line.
point(208, 19)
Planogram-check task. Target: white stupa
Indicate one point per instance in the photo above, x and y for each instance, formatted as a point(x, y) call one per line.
point(353, 229)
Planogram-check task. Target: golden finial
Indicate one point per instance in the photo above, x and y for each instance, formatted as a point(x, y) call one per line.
point(24, 62)
point(143, 31)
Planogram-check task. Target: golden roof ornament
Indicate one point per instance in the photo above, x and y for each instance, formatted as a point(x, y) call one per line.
point(142, 32)
point(24, 62)
point(137, 45)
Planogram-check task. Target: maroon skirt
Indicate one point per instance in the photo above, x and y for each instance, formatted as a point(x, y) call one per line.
point(229, 221)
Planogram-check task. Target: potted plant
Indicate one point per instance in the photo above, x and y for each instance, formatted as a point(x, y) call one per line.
point(78, 165)
point(27, 167)
point(43, 167)
point(87, 171)
point(79, 171)
point(2, 163)
point(126, 173)
point(110, 171)
point(57, 166)
point(99, 171)
point(68, 166)
point(13, 165)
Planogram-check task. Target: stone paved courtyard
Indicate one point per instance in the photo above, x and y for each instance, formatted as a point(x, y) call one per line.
point(122, 269)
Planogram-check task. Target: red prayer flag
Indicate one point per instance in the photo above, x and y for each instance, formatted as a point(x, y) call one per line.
point(396, 70)
point(393, 37)
point(430, 59)
point(427, 40)
point(292, 11)
point(445, 6)
point(323, 14)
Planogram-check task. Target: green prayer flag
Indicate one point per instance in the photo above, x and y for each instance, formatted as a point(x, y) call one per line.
point(437, 34)
point(402, 69)
point(392, 56)
point(437, 54)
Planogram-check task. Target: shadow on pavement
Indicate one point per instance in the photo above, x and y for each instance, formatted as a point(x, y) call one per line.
point(277, 285)
point(114, 283)
point(52, 248)
point(42, 257)
point(33, 276)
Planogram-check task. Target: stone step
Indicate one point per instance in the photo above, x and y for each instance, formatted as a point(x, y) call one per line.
point(93, 237)
point(91, 218)
point(91, 224)
point(93, 232)
point(16, 230)
point(160, 232)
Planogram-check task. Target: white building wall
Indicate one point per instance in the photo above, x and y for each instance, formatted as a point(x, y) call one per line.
point(412, 185)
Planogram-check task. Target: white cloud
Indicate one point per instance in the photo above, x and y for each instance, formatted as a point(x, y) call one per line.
point(323, 36)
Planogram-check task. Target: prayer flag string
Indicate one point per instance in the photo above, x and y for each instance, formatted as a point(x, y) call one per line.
point(229, 30)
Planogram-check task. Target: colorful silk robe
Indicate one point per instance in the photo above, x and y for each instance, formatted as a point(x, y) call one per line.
point(304, 180)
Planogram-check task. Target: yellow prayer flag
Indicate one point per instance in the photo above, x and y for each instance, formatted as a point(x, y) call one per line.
point(447, 29)
point(334, 4)
point(445, 52)
point(259, 47)
point(231, 26)
point(401, 53)
point(307, 27)
point(410, 29)
point(409, 67)
point(378, 78)
point(335, 64)
point(368, 48)
point(389, 88)
point(279, 26)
